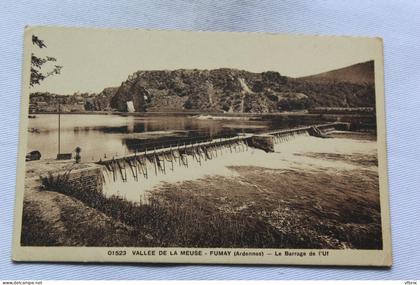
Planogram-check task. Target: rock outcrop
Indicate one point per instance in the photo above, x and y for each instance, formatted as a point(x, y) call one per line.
point(101, 101)
point(223, 90)
point(232, 90)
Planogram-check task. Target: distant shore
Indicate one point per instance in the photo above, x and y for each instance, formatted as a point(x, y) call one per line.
point(194, 113)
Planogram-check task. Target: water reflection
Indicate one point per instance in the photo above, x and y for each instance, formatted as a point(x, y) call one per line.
point(108, 135)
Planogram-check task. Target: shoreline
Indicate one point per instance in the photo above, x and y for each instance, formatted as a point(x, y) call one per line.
point(215, 114)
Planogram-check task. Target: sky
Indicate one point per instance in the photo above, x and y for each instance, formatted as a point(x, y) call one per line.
point(94, 59)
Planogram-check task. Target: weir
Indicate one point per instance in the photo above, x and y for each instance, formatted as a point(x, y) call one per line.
point(159, 160)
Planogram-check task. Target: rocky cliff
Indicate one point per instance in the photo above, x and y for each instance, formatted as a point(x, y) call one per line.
point(232, 90)
point(223, 90)
point(101, 101)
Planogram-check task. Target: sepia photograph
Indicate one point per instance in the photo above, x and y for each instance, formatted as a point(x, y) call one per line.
point(203, 147)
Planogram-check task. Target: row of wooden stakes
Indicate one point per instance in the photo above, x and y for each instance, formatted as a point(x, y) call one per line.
point(137, 165)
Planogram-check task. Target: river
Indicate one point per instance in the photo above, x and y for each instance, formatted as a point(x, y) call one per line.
point(101, 136)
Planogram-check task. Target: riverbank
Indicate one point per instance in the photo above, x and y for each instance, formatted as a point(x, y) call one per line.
point(310, 195)
point(300, 113)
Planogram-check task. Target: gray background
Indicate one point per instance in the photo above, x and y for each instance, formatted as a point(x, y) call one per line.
point(397, 22)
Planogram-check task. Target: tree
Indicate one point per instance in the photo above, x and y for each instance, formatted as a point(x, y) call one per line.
point(37, 62)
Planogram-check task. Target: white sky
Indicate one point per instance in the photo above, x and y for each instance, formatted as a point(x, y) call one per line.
point(93, 59)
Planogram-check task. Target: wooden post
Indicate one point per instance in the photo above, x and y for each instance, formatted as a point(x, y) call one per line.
point(164, 165)
point(199, 155)
point(143, 164)
point(59, 128)
point(154, 161)
point(172, 157)
point(186, 155)
point(113, 169)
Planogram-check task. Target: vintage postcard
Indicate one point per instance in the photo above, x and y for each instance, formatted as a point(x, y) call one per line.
point(201, 147)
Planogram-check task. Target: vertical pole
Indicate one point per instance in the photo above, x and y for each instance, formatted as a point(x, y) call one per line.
point(172, 157)
point(154, 161)
point(59, 125)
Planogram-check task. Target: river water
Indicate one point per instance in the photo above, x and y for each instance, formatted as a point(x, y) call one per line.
point(101, 136)
point(299, 154)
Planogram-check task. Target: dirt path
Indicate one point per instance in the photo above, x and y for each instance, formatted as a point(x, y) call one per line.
point(51, 218)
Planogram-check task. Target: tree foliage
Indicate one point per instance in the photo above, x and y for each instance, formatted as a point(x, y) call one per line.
point(37, 62)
